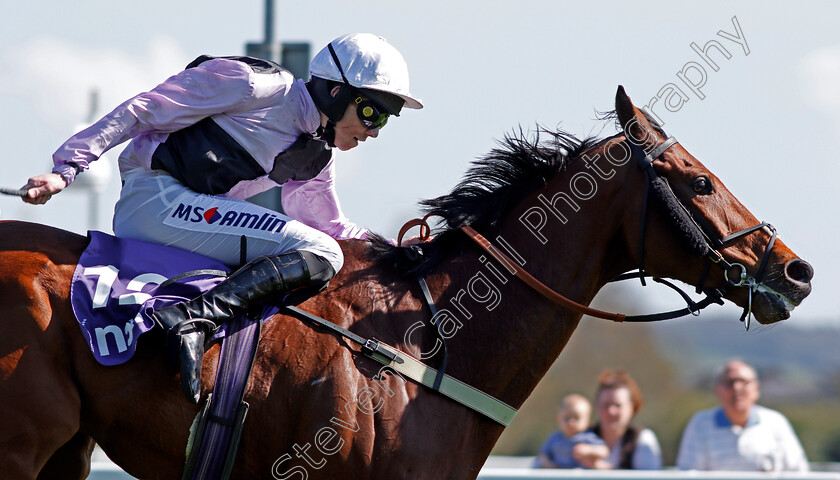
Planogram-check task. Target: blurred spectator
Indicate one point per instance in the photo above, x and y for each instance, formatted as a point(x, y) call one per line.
point(572, 421)
point(740, 435)
point(617, 401)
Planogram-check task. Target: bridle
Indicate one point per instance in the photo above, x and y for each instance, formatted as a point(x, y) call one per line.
point(735, 274)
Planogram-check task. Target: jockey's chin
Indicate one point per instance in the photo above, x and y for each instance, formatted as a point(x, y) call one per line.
point(349, 131)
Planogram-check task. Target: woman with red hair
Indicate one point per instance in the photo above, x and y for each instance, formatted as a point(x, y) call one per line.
point(617, 401)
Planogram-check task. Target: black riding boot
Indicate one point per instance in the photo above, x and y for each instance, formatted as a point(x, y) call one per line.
point(187, 323)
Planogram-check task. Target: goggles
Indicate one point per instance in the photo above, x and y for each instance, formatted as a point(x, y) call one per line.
point(370, 114)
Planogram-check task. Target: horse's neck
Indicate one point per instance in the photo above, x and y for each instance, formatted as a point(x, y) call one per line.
point(511, 335)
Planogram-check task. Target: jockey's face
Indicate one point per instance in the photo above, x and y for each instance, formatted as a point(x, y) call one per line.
point(349, 131)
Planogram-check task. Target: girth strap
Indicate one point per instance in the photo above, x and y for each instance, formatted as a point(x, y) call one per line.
point(215, 440)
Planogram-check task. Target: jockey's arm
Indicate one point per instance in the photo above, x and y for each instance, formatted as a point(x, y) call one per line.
point(180, 101)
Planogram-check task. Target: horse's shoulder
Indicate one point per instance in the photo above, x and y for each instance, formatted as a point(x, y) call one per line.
point(356, 252)
point(362, 264)
point(364, 297)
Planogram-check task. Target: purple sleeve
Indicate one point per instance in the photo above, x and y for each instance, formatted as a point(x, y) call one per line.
point(215, 86)
point(315, 203)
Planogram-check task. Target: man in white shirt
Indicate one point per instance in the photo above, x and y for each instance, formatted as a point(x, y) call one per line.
point(740, 435)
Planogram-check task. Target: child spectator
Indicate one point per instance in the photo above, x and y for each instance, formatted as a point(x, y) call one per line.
point(573, 421)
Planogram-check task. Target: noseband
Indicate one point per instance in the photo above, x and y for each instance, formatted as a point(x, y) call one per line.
point(735, 274)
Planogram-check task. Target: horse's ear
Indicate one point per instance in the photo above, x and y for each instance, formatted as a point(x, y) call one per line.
point(633, 122)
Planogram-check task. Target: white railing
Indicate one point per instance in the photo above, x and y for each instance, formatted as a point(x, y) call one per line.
point(515, 468)
point(531, 474)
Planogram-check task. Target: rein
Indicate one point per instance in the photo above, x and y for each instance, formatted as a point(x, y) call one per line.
point(535, 284)
point(692, 308)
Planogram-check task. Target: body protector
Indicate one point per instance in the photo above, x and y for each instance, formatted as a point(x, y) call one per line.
point(207, 159)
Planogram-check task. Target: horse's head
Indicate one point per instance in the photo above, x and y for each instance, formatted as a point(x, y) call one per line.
point(691, 211)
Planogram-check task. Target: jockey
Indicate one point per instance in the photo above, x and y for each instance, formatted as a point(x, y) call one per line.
point(223, 130)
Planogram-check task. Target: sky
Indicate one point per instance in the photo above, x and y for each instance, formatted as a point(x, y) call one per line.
point(764, 122)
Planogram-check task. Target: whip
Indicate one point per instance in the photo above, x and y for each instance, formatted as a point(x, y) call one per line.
point(17, 192)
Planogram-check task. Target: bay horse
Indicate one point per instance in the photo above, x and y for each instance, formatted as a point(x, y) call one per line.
point(572, 212)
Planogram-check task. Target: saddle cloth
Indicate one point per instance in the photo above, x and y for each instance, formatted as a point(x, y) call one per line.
point(116, 285)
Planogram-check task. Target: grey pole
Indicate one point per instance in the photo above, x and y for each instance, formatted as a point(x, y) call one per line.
point(269, 21)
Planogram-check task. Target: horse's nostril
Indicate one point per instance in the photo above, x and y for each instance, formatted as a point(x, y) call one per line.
point(799, 271)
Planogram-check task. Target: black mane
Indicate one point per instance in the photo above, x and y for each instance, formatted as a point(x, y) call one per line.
point(493, 184)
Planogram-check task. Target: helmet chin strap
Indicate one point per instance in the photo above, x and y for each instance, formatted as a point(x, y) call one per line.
point(331, 104)
point(327, 133)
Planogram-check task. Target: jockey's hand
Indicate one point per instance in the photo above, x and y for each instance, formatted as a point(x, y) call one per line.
point(43, 187)
point(416, 240)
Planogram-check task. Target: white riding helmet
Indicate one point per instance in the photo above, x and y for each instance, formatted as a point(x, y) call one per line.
point(368, 62)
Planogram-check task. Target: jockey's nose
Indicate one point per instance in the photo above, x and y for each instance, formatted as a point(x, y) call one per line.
point(373, 132)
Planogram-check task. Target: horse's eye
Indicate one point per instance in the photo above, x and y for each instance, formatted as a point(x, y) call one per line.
point(702, 185)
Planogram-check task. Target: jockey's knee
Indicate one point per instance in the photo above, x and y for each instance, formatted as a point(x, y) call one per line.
point(321, 270)
point(328, 251)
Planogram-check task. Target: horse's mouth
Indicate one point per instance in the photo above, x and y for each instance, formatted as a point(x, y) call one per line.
point(771, 306)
